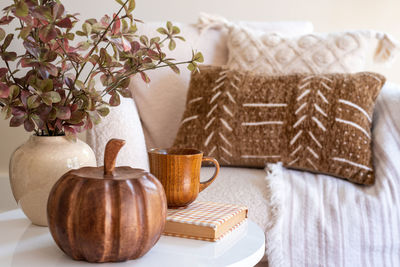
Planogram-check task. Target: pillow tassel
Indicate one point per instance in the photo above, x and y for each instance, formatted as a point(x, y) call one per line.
point(209, 21)
point(387, 48)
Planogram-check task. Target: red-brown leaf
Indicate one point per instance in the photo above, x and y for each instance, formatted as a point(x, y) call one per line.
point(116, 28)
point(135, 46)
point(6, 20)
point(145, 78)
point(4, 90)
point(58, 11)
point(65, 23)
point(47, 33)
point(3, 72)
point(63, 113)
point(29, 125)
point(16, 121)
point(115, 100)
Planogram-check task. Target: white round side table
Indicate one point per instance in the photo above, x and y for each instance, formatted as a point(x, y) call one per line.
point(23, 244)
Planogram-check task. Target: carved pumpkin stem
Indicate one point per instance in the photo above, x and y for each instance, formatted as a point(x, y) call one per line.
point(110, 155)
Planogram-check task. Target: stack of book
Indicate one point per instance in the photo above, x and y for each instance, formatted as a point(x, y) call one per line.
point(208, 221)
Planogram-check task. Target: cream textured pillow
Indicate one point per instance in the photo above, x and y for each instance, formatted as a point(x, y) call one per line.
point(271, 53)
point(320, 123)
point(122, 122)
point(162, 102)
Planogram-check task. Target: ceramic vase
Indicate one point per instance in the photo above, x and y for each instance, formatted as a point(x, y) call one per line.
point(36, 166)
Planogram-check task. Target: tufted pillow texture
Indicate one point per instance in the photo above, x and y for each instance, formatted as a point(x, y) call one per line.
point(319, 123)
point(274, 54)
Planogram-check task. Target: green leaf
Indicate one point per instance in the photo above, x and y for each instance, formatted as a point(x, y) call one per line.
point(80, 84)
point(51, 97)
point(191, 67)
point(154, 40)
point(70, 36)
point(115, 100)
point(87, 28)
point(96, 119)
point(14, 92)
point(175, 30)
point(21, 9)
point(174, 68)
point(162, 30)
point(9, 56)
point(180, 38)
point(46, 85)
point(6, 112)
point(33, 102)
point(131, 5)
point(38, 121)
point(2, 34)
point(172, 45)
point(125, 26)
point(169, 26)
point(80, 33)
point(104, 111)
point(120, 2)
point(25, 32)
point(46, 99)
point(198, 57)
point(144, 40)
point(7, 41)
point(63, 113)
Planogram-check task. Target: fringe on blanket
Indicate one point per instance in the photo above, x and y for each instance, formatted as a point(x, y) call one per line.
point(209, 21)
point(387, 48)
point(274, 245)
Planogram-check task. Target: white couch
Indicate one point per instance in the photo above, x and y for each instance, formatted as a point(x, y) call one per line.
point(152, 118)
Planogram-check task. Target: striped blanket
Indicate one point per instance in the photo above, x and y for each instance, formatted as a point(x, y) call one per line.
point(323, 221)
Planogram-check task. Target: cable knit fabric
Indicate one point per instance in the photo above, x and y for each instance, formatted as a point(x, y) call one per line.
point(271, 53)
point(319, 123)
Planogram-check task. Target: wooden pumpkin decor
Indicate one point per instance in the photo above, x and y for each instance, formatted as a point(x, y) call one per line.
point(107, 214)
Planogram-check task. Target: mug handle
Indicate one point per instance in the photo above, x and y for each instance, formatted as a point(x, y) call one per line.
point(204, 185)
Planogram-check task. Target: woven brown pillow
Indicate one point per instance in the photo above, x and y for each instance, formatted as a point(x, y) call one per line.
point(318, 123)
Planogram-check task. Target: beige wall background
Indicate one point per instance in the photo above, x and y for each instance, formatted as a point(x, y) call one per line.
point(327, 15)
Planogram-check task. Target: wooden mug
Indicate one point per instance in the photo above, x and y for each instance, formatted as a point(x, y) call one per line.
point(178, 170)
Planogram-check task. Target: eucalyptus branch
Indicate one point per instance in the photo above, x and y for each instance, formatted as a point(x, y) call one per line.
point(44, 83)
point(66, 54)
point(11, 74)
point(100, 39)
point(94, 48)
point(123, 78)
point(162, 41)
point(97, 61)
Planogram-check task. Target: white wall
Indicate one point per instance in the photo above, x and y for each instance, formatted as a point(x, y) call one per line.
point(327, 15)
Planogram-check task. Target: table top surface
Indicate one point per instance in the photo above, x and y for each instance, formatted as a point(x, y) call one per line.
point(24, 244)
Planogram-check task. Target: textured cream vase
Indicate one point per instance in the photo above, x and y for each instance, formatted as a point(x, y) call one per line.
point(38, 164)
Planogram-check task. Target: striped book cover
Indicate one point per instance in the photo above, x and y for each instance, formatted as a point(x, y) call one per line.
point(209, 221)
